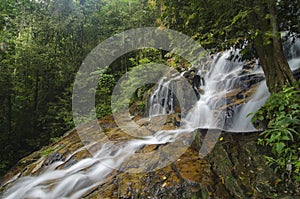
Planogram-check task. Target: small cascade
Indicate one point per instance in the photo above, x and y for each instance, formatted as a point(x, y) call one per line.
point(292, 52)
point(161, 100)
point(201, 116)
point(241, 120)
point(219, 80)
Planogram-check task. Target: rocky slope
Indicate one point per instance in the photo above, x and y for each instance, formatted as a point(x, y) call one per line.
point(234, 169)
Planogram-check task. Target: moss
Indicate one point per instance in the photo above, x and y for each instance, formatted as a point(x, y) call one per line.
point(48, 151)
point(55, 139)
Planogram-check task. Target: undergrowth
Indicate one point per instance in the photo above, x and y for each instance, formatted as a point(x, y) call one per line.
point(281, 117)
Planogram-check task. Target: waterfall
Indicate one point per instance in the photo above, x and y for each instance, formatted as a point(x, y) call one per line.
point(241, 120)
point(223, 77)
point(215, 108)
point(292, 52)
point(162, 99)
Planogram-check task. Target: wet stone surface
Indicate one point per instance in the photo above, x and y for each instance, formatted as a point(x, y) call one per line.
point(234, 169)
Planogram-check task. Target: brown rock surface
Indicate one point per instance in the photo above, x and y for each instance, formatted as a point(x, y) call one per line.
point(234, 169)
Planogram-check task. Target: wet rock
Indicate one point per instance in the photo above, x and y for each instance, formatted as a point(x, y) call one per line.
point(223, 169)
point(249, 65)
point(185, 96)
point(143, 122)
point(53, 158)
point(297, 74)
point(240, 96)
point(69, 163)
point(235, 168)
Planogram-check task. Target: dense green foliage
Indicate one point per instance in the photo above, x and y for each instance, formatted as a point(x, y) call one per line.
point(281, 117)
point(253, 26)
point(223, 24)
point(42, 46)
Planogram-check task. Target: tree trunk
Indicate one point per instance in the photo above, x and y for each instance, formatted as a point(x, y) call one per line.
point(35, 103)
point(274, 64)
point(268, 45)
point(9, 114)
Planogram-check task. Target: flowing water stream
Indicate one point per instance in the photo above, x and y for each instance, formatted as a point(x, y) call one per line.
point(212, 110)
point(222, 78)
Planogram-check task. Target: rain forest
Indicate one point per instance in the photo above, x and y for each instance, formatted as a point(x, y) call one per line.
point(149, 99)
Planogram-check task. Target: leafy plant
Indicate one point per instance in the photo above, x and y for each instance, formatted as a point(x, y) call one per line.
point(281, 117)
point(3, 167)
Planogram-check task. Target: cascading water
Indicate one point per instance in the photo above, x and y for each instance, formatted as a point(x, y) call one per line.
point(293, 54)
point(211, 109)
point(214, 109)
point(162, 99)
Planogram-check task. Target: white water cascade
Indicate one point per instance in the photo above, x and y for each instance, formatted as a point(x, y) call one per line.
point(210, 111)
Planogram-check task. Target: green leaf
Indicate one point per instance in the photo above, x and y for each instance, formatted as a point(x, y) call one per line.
point(279, 146)
point(260, 117)
point(281, 108)
point(286, 138)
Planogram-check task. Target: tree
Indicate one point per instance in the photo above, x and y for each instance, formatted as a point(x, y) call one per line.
point(254, 26)
point(268, 44)
point(42, 45)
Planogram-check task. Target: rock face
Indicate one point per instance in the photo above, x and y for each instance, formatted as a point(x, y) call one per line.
point(234, 169)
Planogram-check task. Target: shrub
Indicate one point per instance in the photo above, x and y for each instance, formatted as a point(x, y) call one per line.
point(281, 116)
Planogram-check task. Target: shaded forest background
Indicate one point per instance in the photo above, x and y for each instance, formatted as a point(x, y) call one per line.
point(43, 44)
